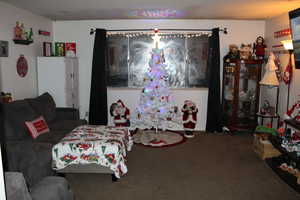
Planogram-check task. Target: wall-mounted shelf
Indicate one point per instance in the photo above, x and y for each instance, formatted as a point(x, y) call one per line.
point(23, 42)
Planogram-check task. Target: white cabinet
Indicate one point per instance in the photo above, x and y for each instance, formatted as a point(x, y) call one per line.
point(59, 77)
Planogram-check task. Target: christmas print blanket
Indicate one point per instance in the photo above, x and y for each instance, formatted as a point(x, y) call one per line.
point(88, 144)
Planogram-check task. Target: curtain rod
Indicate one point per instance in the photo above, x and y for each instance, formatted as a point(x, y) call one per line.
point(224, 30)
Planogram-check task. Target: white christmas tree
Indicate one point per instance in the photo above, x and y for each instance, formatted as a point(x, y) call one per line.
point(156, 107)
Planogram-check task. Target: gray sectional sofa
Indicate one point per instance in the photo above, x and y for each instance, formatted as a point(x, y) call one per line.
point(33, 157)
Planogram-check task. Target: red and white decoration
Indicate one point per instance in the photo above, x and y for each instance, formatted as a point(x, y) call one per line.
point(120, 114)
point(22, 66)
point(282, 33)
point(287, 74)
point(189, 117)
point(293, 112)
point(37, 127)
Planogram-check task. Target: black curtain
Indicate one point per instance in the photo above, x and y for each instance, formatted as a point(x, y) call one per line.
point(214, 110)
point(98, 93)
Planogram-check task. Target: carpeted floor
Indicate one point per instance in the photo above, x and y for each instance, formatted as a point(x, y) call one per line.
point(207, 167)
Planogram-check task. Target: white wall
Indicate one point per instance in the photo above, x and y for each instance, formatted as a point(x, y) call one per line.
point(9, 79)
point(272, 25)
point(240, 31)
point(130, 97)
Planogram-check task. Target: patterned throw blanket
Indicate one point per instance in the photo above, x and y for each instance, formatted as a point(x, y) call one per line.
point(88, 144)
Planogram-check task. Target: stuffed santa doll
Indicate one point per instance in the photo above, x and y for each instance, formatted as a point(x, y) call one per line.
point(120, 114)
point(189, 118)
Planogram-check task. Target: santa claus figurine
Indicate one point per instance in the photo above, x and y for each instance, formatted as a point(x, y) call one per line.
point(189, 118)
point(120, 114)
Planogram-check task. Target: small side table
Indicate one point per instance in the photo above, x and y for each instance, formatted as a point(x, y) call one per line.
point(272, 117)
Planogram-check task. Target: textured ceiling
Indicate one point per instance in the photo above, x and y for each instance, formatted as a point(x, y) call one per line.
point(158, 9)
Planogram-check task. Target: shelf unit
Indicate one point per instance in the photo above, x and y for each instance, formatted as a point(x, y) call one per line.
point(240, 96)
point(23, 42)
point(287, 157)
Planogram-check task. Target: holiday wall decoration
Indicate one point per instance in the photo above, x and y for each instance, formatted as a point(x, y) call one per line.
point(22, 66)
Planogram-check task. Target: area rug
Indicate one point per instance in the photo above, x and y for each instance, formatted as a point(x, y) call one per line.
point(151, 138)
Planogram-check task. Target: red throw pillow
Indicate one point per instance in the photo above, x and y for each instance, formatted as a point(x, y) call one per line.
point(37, 127)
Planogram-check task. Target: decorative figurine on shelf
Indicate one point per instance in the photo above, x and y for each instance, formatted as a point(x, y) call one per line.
point(259, 48)
point(17, 32)
point(120, 114)
point(245, 51)
point(24, 34)
point(29, 35)
point(5, 97)
point(189, 118)
point(233, 53)
point(270, 77)
point(267, 109)
point(293, 112)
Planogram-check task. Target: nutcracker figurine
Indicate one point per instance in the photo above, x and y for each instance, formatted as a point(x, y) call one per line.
point(189, 118)
point(120, 114)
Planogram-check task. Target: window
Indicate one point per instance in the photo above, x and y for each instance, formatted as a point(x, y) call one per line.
point(185, 57)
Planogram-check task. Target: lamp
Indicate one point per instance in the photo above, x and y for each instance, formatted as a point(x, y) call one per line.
point(287, 78)
point(287, 44)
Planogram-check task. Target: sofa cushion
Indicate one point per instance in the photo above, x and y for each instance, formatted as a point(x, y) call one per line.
point(67, 125)
point(52, 137)
point(33, 159)
point(15, 114)
point(37, 127)
point(44, 105)
point(52, 188)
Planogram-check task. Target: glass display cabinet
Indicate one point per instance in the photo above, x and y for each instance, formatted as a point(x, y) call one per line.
point(240, 95)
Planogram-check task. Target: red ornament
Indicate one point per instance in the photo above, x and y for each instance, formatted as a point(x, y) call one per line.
point(22, 66)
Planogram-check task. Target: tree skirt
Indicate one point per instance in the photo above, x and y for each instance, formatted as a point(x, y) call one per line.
point(151, 138)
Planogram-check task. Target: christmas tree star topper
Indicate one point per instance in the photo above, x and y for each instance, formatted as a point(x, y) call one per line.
point(156, 38)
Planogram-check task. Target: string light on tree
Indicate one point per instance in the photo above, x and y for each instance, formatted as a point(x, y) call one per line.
point(156, 107)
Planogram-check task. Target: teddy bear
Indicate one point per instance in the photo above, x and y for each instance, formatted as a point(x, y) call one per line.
point(233, 53)
point(120, 114)
point(245, 51)
point(189, 118)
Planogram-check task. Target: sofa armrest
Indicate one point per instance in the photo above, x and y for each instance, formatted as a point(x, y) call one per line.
point(16, 188)
point(67, 114)
point(31, 158)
